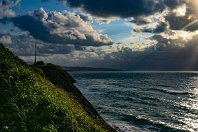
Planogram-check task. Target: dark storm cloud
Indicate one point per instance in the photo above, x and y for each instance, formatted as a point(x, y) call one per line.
point(173, 3)
point(161, 27)
point(180, 22)
point(59, 28)
point(140, 21)
point(168, 57)
point(123, 8)
point(180, 17)
point(187, 21)
point(169, 53)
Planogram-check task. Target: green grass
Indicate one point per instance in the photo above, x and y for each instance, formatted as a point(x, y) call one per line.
point(29, 101)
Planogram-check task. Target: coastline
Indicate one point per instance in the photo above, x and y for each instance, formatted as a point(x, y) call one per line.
point(43, 98)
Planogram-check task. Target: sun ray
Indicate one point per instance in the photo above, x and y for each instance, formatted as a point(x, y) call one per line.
point(190, 24)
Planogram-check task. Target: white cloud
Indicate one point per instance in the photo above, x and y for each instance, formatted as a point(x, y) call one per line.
point(60, 28)
point(5, 39)
point(5, 8)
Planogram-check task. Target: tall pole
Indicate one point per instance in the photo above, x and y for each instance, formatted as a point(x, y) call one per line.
point(35, 54)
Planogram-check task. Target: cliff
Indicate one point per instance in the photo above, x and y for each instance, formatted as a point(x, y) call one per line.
point(42, 98)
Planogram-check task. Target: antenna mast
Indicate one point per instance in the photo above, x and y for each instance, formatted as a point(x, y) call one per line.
point(35, 54)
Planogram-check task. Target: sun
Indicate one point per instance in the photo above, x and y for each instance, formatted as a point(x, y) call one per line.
point(195, 5)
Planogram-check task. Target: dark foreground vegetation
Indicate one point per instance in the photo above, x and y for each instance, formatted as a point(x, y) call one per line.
point(42, 98)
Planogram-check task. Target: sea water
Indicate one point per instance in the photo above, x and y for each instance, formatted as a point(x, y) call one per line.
point(143, 101)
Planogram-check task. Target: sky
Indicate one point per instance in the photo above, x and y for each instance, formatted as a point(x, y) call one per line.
point(122, 34)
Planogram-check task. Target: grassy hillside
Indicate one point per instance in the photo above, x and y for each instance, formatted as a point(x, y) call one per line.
point(42, 98)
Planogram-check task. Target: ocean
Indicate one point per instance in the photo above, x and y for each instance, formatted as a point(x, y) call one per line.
point(143, 101)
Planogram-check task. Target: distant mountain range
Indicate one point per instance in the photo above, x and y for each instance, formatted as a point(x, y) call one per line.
point(88, 69)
